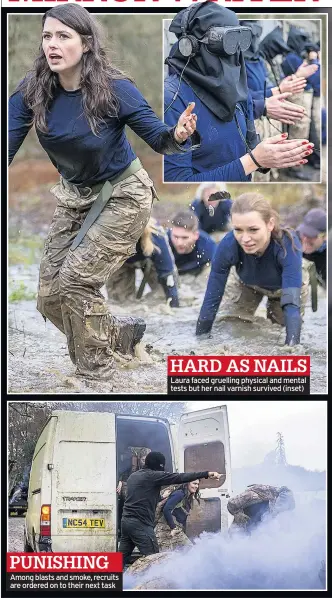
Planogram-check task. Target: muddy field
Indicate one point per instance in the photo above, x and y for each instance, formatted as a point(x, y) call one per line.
point(39, 362)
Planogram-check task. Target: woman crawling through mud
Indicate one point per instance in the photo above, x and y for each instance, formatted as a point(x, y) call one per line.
point(171, 516)
point(80, 104)
point(257, 258)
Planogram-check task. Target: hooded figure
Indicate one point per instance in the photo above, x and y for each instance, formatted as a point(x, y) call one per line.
point(219, 81)
point(252, 54)
point(273, 45)
point(213, 76)
point(298, 40)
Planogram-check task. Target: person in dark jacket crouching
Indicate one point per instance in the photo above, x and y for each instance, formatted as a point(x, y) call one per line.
point(143, 495)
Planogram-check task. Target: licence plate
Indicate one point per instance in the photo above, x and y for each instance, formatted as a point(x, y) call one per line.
point(82, 523)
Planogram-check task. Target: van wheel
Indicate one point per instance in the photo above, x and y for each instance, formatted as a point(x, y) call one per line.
point(27, 547)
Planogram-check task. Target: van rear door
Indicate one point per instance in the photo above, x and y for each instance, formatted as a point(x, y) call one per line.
point(203, 444)
point(83, 514)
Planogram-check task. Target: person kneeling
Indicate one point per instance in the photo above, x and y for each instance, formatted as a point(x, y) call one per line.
point(171, 523)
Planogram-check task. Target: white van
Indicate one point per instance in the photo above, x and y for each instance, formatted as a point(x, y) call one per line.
point(72, 500)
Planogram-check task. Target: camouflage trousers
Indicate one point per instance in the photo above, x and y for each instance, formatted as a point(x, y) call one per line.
point(70, 281)
point(301, 129)
point(168, 542)
point(241, 300)
point(266, 129)
point(121, 284)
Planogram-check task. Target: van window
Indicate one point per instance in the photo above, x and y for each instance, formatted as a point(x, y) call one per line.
point(77, 462)
point(141, 433)
point(206, 457)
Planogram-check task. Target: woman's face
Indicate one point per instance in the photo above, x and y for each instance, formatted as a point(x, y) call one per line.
point(193, 486)
point(251, 232)
point(62, 46)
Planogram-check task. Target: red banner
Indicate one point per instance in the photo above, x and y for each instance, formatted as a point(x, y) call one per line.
point(238, 366)
point(20, 562)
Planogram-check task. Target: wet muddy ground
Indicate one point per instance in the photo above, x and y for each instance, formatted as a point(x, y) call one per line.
point(38, 360)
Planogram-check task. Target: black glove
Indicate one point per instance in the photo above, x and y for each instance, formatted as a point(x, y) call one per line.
point(171, 292)
point(293, 322)
point(203, 327)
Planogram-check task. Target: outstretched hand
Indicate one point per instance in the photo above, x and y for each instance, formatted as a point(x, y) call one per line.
point(186, 124)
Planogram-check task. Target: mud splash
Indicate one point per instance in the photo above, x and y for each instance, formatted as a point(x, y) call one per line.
point(39, 363)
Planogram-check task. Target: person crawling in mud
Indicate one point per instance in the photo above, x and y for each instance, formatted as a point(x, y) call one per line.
point(80, 104)
point(258, 258)
point(155, 258)
point(193, 249)
point(258, 503)
point(172, 514)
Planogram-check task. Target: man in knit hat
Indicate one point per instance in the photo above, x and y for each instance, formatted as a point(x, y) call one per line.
point(143, 495)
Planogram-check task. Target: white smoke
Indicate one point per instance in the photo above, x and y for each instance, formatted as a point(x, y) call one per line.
point(283, 553)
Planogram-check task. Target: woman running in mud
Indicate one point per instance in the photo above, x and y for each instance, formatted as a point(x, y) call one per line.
point(172, 514)
point(257, 258)
point(80, 104)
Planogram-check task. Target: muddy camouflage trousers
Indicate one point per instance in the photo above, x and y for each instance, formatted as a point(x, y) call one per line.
point(70, 281)
point(241, 300)
point(164, 538)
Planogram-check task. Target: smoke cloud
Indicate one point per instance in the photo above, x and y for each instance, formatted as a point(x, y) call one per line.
point(283, 553)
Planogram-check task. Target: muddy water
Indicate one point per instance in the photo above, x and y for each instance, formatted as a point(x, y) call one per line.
point(39, 361)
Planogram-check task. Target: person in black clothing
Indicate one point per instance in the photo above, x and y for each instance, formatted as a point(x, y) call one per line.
point(312, 233)
point(143, 495)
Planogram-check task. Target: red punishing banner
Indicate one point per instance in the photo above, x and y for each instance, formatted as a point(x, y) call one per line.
point(238, 366)
point(21, 562)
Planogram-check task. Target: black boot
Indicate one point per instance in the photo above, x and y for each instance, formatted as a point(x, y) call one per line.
point(131, 332)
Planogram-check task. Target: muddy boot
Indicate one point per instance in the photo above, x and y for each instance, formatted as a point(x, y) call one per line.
point(131, 331)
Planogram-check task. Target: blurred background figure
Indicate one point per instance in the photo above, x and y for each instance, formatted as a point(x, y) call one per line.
point(269, 99)
point(155, 259)
point(193, 249)
point(213, 216)
point(132, 460)
point(312, 232)
point(303, 55)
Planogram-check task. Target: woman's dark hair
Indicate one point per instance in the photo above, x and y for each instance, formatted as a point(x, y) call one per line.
point(98, 98)
point(255, 202)
point(189, 496)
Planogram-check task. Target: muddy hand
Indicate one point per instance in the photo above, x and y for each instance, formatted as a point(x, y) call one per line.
point(186, 124)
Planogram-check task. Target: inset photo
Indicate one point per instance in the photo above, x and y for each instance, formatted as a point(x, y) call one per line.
point(254, 89)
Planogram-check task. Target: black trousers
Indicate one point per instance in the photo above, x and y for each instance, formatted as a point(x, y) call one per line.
point(135, 533)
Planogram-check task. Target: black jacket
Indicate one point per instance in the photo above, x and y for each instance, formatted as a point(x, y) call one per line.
point(143, 491)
